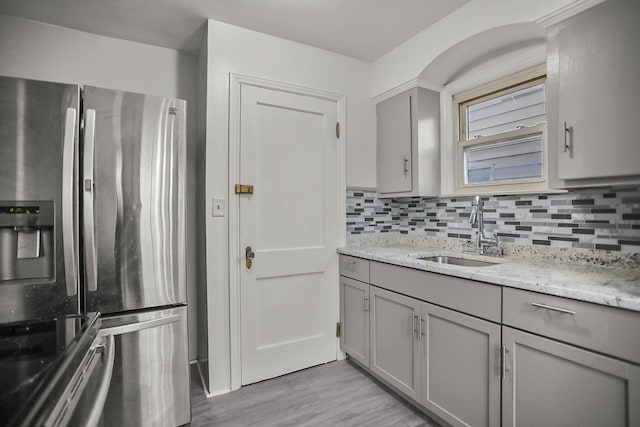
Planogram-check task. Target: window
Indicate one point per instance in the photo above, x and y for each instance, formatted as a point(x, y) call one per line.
point(501, 131)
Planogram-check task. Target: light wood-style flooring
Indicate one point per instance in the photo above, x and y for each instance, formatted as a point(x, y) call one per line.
point(334, 394)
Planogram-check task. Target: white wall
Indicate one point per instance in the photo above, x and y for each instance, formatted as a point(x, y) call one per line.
point(235, 50)
point(201, 211)
point(39, 51)
point(407, 61)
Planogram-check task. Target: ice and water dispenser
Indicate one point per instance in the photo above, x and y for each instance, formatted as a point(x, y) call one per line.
point(27, 247)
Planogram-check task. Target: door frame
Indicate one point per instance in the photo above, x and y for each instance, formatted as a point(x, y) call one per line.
point(236, 81)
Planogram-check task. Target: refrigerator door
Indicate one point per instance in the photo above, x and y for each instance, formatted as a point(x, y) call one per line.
point(38, 199)
point(150, 379)
point(133, 185)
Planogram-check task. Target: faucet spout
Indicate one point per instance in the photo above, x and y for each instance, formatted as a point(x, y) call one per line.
point(477, 217)
point(474, 215)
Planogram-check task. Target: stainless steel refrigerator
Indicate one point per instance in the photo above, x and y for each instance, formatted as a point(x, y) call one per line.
point(92, 218)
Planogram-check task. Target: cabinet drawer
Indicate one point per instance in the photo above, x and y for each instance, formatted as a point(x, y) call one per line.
point(355, 268)
point(608, 330)
point(468, 296)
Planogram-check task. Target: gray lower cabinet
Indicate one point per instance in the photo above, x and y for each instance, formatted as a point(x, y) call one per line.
point(395, 339)
point(479, 355)
point(548, 383)
point(354, 319)
point(460, 367)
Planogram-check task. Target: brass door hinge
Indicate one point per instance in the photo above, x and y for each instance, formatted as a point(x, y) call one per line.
point(338, 330)
point(338, 130)
point(244, 189)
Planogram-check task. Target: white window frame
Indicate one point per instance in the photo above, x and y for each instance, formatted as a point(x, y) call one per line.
point(506, 71)
point(507, 85)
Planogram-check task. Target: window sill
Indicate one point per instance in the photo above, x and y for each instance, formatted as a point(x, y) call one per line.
point(539, 186)
point(495, 192)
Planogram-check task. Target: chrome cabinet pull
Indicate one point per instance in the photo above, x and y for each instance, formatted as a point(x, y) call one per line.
point(416, 326)
point(366, 304)
point(548, 307)
point(413, 324)
point(567, 130)
point(422, 328)
point(348, 261)
point(503, 374)
point(406, 164)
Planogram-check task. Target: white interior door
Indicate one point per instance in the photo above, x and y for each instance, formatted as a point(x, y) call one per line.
point(289, 296)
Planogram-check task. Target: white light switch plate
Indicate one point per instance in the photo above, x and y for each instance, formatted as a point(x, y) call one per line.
point(218, 207)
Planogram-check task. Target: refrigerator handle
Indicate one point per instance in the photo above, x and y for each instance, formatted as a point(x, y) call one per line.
point(68, 203)
point(95, 416)
point(88, 186)
point(139, 326)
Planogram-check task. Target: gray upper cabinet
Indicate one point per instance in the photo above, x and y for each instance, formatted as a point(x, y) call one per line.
point(408, 144)
point(395, 131)
point(354, 318)
point(548, 383)
point(395, 338)
point(593, 96)
point(460, 369)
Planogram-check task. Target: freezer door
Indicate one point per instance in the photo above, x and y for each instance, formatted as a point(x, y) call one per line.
point(133, 186)
point(38, 199)
point(150, 379)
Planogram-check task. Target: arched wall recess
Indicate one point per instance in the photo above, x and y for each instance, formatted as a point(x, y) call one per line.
point(408, 60)
point(474, 53)
point(478, 49)
point(484, 68)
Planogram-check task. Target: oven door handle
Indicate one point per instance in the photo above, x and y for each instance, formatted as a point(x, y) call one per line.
point(95, 416)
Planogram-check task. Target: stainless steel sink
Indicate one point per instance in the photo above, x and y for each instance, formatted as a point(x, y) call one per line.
point(464, 262)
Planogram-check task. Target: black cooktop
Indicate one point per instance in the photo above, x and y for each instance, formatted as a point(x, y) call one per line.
point(32, 354)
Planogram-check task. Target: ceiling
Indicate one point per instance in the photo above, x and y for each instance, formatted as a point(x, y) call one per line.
point(362, 29)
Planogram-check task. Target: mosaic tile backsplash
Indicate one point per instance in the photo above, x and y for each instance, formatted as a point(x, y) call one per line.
point(606, 219)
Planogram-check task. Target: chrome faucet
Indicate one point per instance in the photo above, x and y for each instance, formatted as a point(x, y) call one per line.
point(476, 217)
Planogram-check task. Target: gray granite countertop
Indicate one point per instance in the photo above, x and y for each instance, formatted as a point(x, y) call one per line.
point(612, 286)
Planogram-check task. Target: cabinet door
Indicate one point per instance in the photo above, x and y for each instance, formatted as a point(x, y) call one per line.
point(394, 142)
point(394, 340)
point(354, 318)
point(460, 367)
point(599, 92)
point(548, 383)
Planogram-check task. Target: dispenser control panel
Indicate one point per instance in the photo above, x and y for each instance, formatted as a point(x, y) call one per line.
point(27, 210)
point(26, 213)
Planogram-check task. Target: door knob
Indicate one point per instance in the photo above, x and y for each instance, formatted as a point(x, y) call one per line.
point(249, 255)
